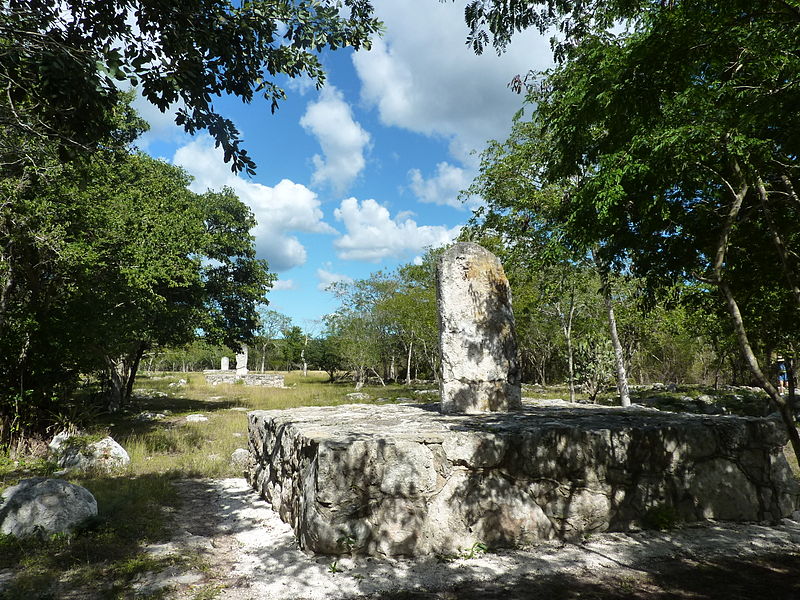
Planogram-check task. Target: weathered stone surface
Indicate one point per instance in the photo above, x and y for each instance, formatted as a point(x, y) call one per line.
point(275, 380)
point(41, 506)
point(240, 458)
point(196, 418)
point(241, 362)
point(406, 479)
point(71, 453)
point(225, 363)
point(480, 372)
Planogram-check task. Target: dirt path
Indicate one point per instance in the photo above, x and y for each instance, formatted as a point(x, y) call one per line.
point(252, 555)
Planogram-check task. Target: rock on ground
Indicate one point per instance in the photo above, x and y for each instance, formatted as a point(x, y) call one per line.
point(40, 505)
point(105, 454)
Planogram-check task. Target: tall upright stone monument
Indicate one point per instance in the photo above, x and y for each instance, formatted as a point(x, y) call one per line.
point(225, 364)
point(241, 362)
point(480, 370)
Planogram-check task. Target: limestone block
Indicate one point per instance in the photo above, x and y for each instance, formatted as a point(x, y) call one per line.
point(240, 458)
point(241, 362)
point(407, 480)
point(41, 506)
point(480, 371)
point(105, 454)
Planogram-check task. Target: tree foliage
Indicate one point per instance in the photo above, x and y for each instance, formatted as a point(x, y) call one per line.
point(61, 62)
point(106, 258)
point(675, 146)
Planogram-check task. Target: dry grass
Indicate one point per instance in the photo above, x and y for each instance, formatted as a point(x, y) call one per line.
point(173, 445)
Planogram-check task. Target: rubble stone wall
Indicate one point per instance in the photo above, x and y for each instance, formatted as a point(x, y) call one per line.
point(407, 480)
point(230, 377)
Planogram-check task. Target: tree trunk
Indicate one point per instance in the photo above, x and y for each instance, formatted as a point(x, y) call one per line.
point(137, 358)
point(619, 354)
point(749, 356)
point(383, 383)
point(303, 357)
point(566, 327)
point(746, 349)
point(408, 363)
point(780, 247)
point(121, 373)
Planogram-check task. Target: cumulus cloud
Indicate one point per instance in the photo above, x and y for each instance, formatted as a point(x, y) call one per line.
point(162, 124)
point(280, 210)
point(372, 234)
point(284, 284)
point(443, 187)
point(327, 278)
point(342, 139)
point(421, 75)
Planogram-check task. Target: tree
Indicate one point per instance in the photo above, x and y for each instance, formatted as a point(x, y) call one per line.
point(61, 63)
point(270, 324)
point(680, 161)
point(106, 259)
point(323, 353)
point(292, 345)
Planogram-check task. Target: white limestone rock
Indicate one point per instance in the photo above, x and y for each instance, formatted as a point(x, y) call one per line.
point(480, 370)
point(72, 454)
point(240, 458)
point(196, 418)
point(42, 506)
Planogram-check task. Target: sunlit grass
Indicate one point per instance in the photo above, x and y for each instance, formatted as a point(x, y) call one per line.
point(204, 449)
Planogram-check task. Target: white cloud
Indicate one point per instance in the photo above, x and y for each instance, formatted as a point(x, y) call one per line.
point(284, 284)
point(372, 234)
point(326, 278)
point(281, 209)
point(422, 76)
point(342, 139)
point(162, 124)
point(443, 187)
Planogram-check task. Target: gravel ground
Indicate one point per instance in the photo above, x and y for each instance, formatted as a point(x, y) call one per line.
point(253, 555)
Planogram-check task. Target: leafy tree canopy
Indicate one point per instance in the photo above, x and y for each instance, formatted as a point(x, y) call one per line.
point(61, 62)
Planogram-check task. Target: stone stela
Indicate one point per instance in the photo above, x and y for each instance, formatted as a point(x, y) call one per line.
point(480, 370)
point(241, 362)
point(241, 374)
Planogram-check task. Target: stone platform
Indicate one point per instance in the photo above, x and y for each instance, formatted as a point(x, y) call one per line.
point(231, 377)
point(407, 480)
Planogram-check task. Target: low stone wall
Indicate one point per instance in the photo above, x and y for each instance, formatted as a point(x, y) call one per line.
point(406, 480)
point(230, 377)
point(217, 377)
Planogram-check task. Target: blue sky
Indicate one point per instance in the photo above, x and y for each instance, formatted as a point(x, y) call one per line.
point(364, 174)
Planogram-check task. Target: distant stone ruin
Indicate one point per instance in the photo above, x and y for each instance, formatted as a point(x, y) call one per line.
point(230, 377)
point(480, 372)
point(241, 374)
point(241, 362)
